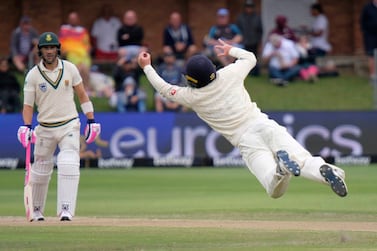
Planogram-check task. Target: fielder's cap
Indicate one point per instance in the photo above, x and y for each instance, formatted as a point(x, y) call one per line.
point(249, 3)
point(199, 71)
point(222, 12)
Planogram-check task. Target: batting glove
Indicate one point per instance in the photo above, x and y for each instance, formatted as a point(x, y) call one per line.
point(92, 130)
point(26, 135)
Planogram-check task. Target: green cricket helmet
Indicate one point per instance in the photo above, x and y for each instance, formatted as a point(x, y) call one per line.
point(48, 39)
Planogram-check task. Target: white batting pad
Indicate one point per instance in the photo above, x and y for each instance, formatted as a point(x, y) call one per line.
point(41, 172)
point(68, 180)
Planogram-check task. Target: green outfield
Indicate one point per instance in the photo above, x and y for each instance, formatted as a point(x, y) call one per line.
point(195, 209)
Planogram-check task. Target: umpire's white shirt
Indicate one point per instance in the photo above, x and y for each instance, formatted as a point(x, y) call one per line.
point(224, 104)
point(52, 91)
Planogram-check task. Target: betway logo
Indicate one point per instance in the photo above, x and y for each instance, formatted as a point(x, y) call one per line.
point(353, 160)
point(9, 163)
point(115, 163)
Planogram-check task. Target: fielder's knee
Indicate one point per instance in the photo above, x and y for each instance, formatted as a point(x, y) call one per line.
point(278, 186)
point(68, 163)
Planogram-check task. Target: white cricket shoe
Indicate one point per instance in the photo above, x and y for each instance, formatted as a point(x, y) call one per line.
point(65, 216)
point(38, 216)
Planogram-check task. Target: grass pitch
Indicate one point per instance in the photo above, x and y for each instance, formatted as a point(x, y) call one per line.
point(194, 209)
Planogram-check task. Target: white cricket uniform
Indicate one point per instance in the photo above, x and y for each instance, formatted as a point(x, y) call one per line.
point(226, 106)
point(58, 126)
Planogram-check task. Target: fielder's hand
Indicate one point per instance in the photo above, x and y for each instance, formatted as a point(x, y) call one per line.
point(144, 59)
point(223, 48)
point(92, 130)
point(26, 135)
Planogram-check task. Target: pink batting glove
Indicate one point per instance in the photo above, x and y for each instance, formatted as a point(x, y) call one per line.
point(24, 135)
point(92, 130)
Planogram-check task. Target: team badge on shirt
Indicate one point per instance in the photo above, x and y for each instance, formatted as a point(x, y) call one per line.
point(173, 92)
point(43, 87)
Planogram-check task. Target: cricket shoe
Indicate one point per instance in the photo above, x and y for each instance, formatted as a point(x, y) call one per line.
point(65, 216)
point(38, 216)
point(334, 179)
point(288, 165)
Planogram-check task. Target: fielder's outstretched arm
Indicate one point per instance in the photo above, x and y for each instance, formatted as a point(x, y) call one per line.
point(163, 87)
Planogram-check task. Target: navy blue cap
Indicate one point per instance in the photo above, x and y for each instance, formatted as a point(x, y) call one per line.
point(200, 71)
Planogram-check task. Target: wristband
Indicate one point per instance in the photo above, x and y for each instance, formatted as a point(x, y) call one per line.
point(87, 107)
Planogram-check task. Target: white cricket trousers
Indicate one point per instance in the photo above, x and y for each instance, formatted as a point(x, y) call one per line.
point(258, 147)
point(67, 138)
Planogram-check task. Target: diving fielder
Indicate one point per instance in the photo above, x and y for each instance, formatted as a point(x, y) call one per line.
point(221, 100)
point(51, 86)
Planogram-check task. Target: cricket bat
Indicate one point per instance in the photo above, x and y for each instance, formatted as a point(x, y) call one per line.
point(28, 199)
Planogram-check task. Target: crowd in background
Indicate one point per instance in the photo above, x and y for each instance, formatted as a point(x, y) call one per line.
point(288, 54)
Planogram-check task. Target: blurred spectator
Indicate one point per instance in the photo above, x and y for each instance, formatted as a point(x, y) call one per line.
point(9, 89)
point(102, 84)
point(282, 58)
point(130, 36)
point(123, 69)
point(178, 38)
point(228, 32)
point(86, 153)
point(319, 32)
point(250, 24)
point(75, 46)
point(329, 69)
point(132, 99)
point(309, 70)
point(171, 72)
point(23, 45)
point(368, 22)
point(104, 34)
point(282, 28)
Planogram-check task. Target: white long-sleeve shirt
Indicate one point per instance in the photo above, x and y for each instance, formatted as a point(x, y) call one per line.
point(224, 104)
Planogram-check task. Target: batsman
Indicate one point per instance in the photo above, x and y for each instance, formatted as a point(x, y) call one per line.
point(51, 86)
